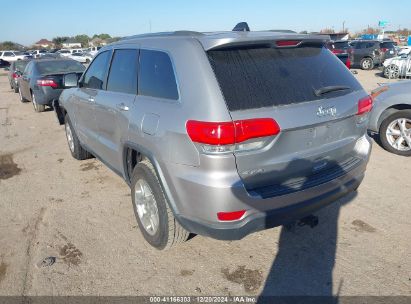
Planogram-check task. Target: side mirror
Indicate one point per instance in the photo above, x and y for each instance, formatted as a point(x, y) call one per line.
point(70, 80)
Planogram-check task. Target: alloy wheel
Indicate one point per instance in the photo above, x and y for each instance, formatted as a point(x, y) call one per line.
point(399, 134)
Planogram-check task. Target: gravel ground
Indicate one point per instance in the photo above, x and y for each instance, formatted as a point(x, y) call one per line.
point(67, 228)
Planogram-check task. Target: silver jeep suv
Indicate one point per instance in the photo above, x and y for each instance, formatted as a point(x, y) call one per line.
point(220, 134)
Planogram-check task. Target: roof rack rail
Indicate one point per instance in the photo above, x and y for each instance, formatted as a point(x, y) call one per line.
point(164, 34)
point(283, 31)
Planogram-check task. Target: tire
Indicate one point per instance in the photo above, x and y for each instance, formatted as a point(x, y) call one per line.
point(76, 150)
point(392, 138)
point(37, 107)
point(367, 64)
point(22, 99)
point(87, 61)
point(16, 89)
point(168, 232)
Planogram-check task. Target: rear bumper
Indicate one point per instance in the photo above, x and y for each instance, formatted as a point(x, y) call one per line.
point(46, 95)
point(201, 203)
point(272, 218)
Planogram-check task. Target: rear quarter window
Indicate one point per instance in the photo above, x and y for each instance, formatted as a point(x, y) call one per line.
point(156, 76)
point(257, 77)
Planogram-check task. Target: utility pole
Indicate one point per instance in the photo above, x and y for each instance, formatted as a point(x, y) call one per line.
point(149, 25)
point(343, 27)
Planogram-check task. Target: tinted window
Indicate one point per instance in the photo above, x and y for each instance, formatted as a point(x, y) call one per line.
point(20, 65)
point(157, 75)
point(59, 66)
point(341, 45)
point(388, 45)
point(95, 77)
point(265, 77)
point(123, 72)
point(8, 54)
point(28, 69)
point(370, 45)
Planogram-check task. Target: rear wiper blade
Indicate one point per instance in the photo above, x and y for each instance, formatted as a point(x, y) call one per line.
point(330, 89)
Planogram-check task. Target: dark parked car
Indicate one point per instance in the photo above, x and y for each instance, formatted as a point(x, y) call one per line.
point(388, 50)
point(366, 54)
point(15, 71)
point(339, 47)
point(41, 82)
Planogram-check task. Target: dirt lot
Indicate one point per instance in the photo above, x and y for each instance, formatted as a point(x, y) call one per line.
point(79, 216)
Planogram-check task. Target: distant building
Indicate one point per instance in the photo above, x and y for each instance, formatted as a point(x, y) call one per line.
point(44, 43)
point(97, 42)
point(71, 43)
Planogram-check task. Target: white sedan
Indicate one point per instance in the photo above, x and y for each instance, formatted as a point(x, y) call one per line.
point(81, 57)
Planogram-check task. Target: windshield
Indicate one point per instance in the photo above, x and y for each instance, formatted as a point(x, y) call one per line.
point(59, 66)
point(256, 77)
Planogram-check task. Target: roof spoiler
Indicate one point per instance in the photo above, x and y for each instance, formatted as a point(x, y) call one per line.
point(241, 27)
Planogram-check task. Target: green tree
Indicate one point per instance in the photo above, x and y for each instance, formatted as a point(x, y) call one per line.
point(58, 41)
point(10, 45)
point(102, 36)
point(83, 39)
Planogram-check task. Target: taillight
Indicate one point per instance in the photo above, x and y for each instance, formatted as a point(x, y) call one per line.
point(47, 83)
point(222, 137)
point(364, 105)
point(230, 216)
point(348, 63)
point(284, 43)
point(384, 50)
point(16, 76)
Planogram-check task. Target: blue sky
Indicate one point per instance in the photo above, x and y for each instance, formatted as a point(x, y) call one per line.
point(33, 20)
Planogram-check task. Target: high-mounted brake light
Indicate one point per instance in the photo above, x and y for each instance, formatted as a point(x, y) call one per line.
point(230, 216)
point(230, 133)
point(47, 83)
point(284, 43)
point(364, 105)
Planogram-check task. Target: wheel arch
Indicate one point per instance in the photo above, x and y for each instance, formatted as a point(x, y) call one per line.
point(391, 110)
point(134, 153)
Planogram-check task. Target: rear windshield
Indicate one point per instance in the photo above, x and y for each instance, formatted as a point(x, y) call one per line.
point(20, 65)
point(59, 66)
point(260, 77)
point(341, 45)
point(388, 45)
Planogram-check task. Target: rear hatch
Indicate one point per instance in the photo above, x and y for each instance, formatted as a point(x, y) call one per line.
point(313, 99)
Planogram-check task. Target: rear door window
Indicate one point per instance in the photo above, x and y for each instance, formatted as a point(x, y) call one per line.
point(95, 76)
point(256, 77)
point(387, 45)
point(123, 72)
point(156, 76)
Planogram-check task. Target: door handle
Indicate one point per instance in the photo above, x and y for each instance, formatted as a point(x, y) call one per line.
point(90, 99)
point(122, 107)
